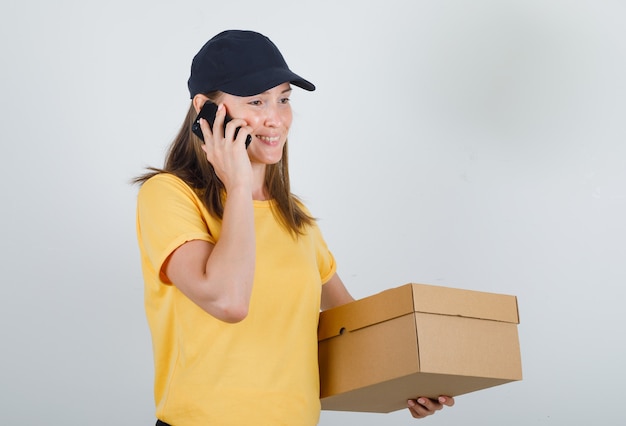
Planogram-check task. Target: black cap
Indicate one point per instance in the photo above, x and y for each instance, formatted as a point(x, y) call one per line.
point(241, 63)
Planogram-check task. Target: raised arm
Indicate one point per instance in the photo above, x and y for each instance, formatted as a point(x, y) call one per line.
point(219, 277)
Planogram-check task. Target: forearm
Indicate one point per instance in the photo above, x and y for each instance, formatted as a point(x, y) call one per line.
point(229, 269)
point(334, 293)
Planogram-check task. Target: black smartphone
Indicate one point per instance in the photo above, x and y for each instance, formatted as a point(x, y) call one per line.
point(208, 111)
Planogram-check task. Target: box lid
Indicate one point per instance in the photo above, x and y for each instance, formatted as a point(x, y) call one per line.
point(423, 298)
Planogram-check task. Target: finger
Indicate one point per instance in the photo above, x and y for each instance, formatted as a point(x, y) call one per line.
point(234, 128)
point(423, 407)
point(416, 410)
point(242, 134)
point(220, 117)
point(430, 404)
point(448, 401)
point(206, 132)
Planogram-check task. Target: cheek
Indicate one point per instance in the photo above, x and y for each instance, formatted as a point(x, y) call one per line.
point(253, 121)
point(287, 118)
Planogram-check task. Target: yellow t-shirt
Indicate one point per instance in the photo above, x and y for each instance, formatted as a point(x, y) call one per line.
point(260, 371)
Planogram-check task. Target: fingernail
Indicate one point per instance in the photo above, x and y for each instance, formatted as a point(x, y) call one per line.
point(411, 403)
point(421, 401)
point(441, 399)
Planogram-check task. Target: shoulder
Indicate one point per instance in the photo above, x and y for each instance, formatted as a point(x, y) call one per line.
point(163, 179)
point(164, 182)
point(164, 189)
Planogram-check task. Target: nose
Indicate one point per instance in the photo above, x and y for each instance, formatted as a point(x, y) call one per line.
point(273, 116)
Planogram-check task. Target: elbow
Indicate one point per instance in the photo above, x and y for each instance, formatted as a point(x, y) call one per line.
point(231, 309)
point(226, 312)
point(230, 304)
point(234, 313)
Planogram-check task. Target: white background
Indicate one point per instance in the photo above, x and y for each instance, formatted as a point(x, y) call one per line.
point(476, 145)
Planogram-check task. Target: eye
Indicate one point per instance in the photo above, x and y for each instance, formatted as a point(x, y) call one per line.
point(255, 103)
point(285, 100)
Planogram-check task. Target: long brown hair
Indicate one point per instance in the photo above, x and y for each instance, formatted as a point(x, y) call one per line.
point(186, 160)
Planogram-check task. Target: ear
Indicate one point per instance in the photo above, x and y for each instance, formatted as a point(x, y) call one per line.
point(198, 101)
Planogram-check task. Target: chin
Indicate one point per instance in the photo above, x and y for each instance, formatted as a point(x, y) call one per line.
point(265, 157)
point(273, 161)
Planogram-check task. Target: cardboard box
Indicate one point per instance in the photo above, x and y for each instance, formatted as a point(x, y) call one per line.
point(416, 340)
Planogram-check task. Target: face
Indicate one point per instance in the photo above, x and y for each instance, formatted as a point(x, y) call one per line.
point(269, 114)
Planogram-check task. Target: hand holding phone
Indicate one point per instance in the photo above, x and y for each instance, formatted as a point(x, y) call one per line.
point(208, 111)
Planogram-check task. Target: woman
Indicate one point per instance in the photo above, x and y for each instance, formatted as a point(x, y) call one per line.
point(235, 267)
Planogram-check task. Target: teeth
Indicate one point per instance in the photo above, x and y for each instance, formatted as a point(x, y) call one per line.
point(269, 139)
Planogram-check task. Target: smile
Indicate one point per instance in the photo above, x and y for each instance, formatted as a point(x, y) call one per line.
point(270, 139)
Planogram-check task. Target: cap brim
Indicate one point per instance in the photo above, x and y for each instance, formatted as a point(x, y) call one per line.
point(256, 83)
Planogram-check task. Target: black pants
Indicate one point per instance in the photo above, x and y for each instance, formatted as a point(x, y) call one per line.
point(160, 423)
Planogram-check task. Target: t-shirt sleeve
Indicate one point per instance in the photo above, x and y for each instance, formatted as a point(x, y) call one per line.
point(325, 259)
point(169, 214)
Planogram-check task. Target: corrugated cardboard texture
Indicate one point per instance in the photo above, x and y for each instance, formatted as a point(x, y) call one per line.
point(416, 340)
